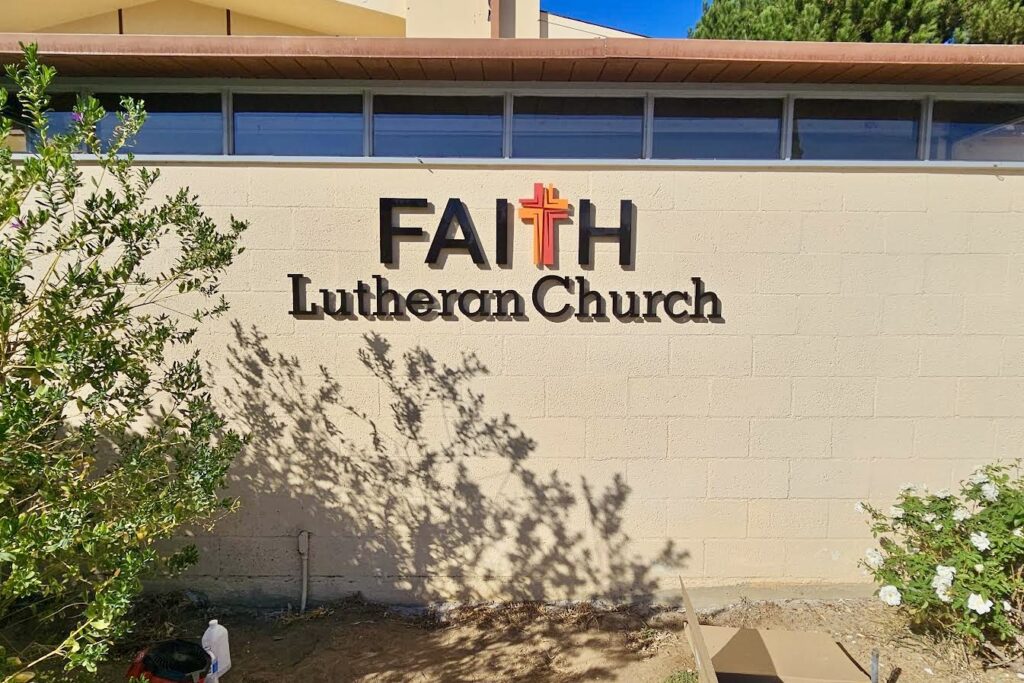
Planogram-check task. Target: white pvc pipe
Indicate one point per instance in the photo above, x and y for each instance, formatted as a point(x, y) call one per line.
point(304, 554)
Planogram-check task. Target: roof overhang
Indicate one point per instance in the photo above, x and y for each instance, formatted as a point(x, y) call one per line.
point(610, 60)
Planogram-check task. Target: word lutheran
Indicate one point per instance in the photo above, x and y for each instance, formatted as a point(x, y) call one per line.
point(553, 297)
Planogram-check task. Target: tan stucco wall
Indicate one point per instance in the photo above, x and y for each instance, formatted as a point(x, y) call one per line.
point(873, 336)
point(175, 17)
point(457, 18)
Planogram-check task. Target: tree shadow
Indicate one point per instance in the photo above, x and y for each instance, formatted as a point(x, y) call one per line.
point(423, 497)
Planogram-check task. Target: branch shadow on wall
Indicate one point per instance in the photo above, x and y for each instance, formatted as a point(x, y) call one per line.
point(427, 497)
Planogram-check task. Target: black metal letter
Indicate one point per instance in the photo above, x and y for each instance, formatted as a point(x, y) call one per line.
point(501, 232)
point(538, 295)
point(299, 282)
point(623, 233)
point(455, 212)
point(389, 230)
point(701, 297)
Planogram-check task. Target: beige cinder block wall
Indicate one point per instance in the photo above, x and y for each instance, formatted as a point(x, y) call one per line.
point(873, 336)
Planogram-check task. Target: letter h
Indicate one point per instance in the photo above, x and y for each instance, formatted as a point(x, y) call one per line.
point(623, 233)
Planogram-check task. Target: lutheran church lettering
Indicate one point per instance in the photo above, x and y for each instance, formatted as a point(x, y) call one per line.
point(553, 297)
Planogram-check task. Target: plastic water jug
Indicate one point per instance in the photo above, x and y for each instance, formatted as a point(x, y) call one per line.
point(215, 641)
point(212, 676)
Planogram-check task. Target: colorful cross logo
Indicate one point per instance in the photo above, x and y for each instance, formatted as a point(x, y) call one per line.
point(542, 210)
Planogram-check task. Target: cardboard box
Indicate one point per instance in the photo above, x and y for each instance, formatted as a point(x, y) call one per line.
point(748, 655)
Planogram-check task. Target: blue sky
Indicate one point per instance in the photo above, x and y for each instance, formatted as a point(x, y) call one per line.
point(655, 18)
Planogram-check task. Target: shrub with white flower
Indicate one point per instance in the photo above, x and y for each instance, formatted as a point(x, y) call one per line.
point(954, 562)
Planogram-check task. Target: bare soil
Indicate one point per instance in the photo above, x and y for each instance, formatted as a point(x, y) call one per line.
point(355, 641)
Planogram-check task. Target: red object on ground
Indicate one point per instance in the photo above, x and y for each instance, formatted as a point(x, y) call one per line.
point(171, 661)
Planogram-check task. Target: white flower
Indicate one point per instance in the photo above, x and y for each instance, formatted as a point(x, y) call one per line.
point(1019, 532)
point(978, 477)
point(980, 541)
point(890, 595)
point(1007, 607)
point(943, 493)
point(979, 604)
point(943, 581)
point(873, 558)
point(929, 518)
point(859, 507)
point(979, 568)
point(960, 514)
point(989, 491)
point(937, 527)
point(907, 488)
point(896, 512)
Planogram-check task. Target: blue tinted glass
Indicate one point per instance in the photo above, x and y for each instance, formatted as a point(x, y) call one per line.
point(717, 128)
point(577, 128)
point(855, 129)
point(405, 126)
point(301, 125)
point(176, 123)
point(978, 131)
point(59, 119)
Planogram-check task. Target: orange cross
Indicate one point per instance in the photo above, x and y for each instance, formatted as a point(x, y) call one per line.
point(542, 210)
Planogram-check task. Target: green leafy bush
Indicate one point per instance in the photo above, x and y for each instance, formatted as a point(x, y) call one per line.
point(953, 562)
point(109, 441)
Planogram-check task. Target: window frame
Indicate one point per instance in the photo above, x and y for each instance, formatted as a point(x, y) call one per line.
point(509, 90)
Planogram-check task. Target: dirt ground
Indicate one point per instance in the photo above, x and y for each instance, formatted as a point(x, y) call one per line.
point(354, 641)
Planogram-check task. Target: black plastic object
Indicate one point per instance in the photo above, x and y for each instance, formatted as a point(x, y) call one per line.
point(177, 660)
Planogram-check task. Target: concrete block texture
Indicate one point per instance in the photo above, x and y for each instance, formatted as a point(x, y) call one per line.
point(871, 335)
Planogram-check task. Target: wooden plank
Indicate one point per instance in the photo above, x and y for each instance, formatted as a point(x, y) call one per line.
point(467, 70)
point(318, 67)
point(618, 70)
point(497, 69)
point(677, 72)
point(796, 72)
point(706, 72)
point(347, 67)
point(527, 69)
point(438, 69)
point(890, 74)
point(647, 71)
point(379, 69)
point(556, 70)
point(736, 72)
point(854, 73)
point(988, 75)
point(586, 69)
point(766, 72)
point(408, 69)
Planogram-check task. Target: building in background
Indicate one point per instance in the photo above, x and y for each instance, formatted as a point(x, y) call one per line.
point(392, 18)
point(767, 281)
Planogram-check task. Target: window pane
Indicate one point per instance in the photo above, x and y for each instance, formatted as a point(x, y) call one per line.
point(301, 125)
point(577, 127)
point(23, 138)
point(717, 128)
point(405, 126)
point(176, 123)
point(855, 129)
point(978, 131)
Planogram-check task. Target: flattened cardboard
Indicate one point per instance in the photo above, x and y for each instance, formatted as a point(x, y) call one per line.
point(747, 655)
point(750, 655)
